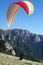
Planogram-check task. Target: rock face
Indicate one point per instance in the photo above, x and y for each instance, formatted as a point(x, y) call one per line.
point(19, 35)
point(22, 40)
point(37, 38)
point(6, 47)
point(9, 47)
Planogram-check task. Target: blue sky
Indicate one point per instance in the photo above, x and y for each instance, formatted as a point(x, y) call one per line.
point(33, 23)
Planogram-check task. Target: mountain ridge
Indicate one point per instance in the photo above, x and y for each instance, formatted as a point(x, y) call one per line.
point(23, 40)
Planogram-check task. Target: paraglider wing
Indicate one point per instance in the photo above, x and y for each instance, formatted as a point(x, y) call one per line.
point(14, 8)
point(11, 14)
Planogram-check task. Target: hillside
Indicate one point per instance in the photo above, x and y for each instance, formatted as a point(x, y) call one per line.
point(12, 60)
point(18, 40)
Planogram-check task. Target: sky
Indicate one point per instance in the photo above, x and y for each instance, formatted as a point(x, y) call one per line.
point(33, 23)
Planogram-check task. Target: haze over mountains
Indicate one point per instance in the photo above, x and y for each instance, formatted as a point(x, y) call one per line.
point(23, 40)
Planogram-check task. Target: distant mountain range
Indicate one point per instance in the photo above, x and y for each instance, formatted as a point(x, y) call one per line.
point(22, 40)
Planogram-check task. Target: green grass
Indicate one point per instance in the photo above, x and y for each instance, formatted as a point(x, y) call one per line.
point(12, 60)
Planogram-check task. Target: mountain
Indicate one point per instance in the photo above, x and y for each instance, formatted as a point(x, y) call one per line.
point(22, 40)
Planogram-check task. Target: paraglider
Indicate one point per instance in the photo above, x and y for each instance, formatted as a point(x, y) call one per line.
point(14, 8)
